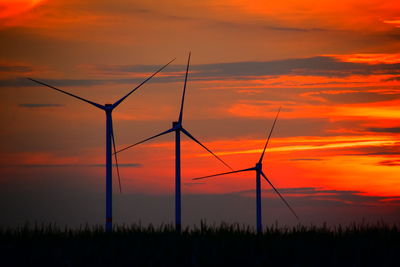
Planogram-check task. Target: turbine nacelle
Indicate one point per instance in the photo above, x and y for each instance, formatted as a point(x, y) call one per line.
point(108, 107)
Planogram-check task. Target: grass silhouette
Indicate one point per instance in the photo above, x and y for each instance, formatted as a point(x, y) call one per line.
point(205, 245)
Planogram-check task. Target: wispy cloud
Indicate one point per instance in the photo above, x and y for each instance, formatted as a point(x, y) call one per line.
point(22, 82)
point(305, 159)
point(345, 197)
point(349, 96)
point(385, 130)
point(394, 163)
point(315, 191)
point(316, 66)
point(16, 68)
point(40, 105)
point(321, 66)
point(326, 144)
point(68, 165)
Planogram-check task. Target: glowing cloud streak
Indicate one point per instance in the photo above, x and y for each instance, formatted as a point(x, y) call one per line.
point(288, 148)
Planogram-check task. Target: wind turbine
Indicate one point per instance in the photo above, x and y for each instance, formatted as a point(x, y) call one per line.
point(259, 173)
point(108, 108)
point(178, 128)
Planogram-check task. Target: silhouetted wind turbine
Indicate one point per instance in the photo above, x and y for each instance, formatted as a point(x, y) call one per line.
point(108, 108)
point(259, 173)
point(178, 128)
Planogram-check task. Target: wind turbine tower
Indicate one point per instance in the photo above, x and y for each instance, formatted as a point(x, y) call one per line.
point(110, 140)
point(259, 172)
point(178, 129)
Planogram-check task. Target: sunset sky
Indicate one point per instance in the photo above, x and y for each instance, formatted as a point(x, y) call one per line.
point(333, 67)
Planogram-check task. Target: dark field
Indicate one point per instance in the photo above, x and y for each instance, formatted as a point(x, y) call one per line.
point(224, 245)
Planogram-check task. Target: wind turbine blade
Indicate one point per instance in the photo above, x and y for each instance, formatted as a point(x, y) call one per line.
point(197, 141)
point(145, 140)
point(64, 92)
point(269, 136)
point(115, 156)
point(137, 87)
point(184, 89)
point(279, 194)
point(224, 173)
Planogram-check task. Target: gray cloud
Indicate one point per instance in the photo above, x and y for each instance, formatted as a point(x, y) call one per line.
point(258, 25)
point(193, 183)
point(315, 190)
point(302, 191)
point(345, 197)
point(385, 130)
point(22, 82)
point(358, 97)
point(305, 159)
point(15, 68)
point(328, 197)
point(123, 165)
point(160, 14)
point(319, 66)
point(397, 78)
point(40, 105)
point(375, 151)
point(389, 163)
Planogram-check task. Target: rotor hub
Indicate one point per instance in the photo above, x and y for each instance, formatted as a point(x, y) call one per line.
point(258, 165)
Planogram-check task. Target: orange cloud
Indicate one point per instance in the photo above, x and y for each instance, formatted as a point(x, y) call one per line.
point(354, 15)
point(308, 143)
point(10, 8)
point(331, 170)
point(367, 111)
point(395, 22)
point(302, 81)
point(386, 112)
point(370, 58)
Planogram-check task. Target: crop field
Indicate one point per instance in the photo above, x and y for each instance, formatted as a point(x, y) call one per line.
point(223, 245)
